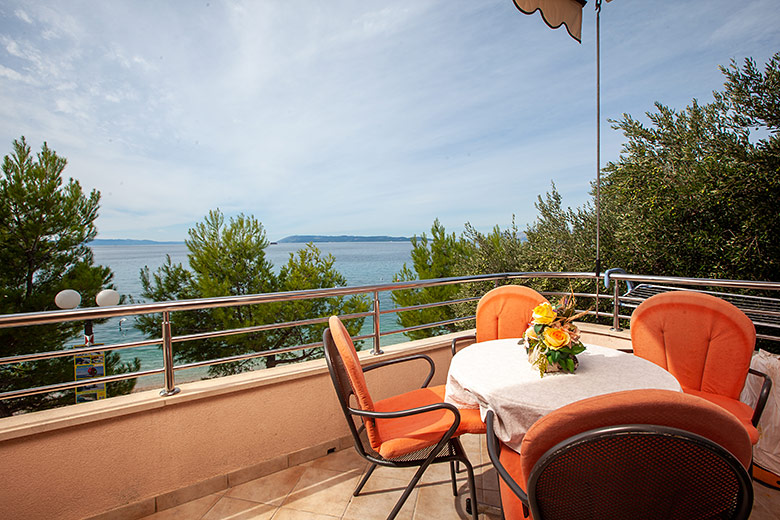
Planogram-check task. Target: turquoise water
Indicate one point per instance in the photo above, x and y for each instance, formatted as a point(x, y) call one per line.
point(361, 264)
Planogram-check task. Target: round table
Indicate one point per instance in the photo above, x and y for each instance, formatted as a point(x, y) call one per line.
point(496, 375)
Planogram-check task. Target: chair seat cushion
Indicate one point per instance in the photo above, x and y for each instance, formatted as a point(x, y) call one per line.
point(405, 435)
point(742, 411)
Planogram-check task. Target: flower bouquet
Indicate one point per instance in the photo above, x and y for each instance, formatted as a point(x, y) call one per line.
point(552, 341)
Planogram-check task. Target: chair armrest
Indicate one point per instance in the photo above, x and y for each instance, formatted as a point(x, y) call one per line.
point(407, 412)
point(415, 411)
point(404, 359)
point(763, 395)
point(494, 452)
point(472, 337)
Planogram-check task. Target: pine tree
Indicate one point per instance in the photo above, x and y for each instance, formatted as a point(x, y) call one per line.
point(227, 258)
point(45, 226)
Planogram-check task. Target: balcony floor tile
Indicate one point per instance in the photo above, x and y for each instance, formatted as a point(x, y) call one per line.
point(322, 490)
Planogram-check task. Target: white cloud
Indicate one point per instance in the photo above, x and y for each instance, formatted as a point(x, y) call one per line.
point(23, 16)
point(345, 116)
point(14, 75)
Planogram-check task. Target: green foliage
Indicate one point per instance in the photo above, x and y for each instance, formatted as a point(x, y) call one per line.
point(500, 251)
point(691, 195)
point(46, 225)
point(495, 252)
point(560, 240)
point(438, 258)
point(753, 97)
point(228, 259)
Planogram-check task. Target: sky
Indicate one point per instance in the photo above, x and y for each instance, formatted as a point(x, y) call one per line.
point(348, 117)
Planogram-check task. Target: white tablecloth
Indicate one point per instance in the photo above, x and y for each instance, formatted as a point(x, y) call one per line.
point(496, 375)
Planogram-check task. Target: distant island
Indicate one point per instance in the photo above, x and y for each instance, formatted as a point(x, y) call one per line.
point(339, 238)
point(127, 242)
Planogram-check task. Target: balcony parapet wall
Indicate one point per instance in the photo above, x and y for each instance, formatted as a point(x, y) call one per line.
point(129, 456)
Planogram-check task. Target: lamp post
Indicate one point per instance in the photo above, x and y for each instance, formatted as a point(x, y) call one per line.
point(88, 365)
point(70, 299)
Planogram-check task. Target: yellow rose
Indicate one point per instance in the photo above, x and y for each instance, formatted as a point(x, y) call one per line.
point(544, 314)
point(556, 338)
point(530, 333)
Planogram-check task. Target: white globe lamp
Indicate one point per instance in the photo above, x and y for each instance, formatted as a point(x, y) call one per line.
point(67, 299)
point(107, 298)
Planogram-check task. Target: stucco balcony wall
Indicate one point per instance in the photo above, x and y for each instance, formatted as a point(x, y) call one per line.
point(135, 454)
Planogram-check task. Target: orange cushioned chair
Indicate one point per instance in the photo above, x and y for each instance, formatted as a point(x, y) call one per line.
point(503, 312)
point(416, 428)
point(706, 343)
point(650, 454)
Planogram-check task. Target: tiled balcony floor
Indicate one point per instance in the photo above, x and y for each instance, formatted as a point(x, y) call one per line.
point(322, 490)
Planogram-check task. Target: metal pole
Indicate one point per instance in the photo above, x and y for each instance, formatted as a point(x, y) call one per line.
point(376, 350)
point(598, 136)
point(616, 311)
point(169, 389)
point(89, 335)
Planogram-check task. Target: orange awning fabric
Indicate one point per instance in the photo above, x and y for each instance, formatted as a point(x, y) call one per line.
point(556, 13)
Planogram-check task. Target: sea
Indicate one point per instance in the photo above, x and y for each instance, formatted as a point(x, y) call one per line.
point(361, 263)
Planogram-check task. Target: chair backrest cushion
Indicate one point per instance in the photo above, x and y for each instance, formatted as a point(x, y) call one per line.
point(650, 406)
point(704, 341)
point(657, 407)
point(505, 312)
point(351, 363)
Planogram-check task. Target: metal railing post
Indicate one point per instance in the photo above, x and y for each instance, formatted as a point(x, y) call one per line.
point(598, 281)
point(170, 388)
point(376, 350)
point(616, 310)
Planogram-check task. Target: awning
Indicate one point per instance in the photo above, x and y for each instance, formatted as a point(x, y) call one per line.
point(556, 13)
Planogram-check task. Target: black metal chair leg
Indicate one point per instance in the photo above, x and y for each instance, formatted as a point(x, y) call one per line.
point(473, 489)
point(364, 480)
point(452, 475)
point(408, 491)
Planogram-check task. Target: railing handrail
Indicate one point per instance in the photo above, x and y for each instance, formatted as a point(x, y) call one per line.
point(716, 282)
point(96, 313)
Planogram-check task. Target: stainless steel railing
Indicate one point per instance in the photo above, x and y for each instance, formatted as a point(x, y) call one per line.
point(167, 338)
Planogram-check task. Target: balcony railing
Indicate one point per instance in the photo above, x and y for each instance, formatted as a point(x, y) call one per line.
point(615, 308)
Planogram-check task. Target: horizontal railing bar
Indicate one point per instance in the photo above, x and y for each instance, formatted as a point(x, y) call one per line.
point(427, 305)
point(261, 328)
point(73, 384)
point(426, 326)
point(768, 325)
point(206, 335)
point(244, 357)
point(714, 282)
point(77, 351)
point(144, 373)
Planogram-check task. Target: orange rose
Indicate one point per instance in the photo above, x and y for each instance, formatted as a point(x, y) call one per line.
point(556, 338)
point(544, 314)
